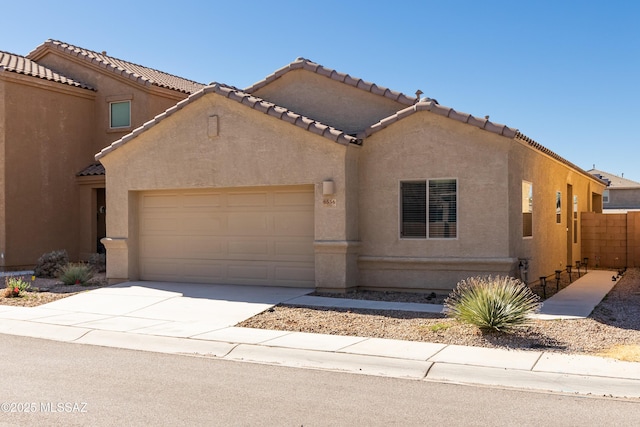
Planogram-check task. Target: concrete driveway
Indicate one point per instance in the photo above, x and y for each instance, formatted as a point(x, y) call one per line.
point(159, 308)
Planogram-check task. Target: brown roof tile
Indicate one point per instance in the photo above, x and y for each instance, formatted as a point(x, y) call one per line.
point(250, 101)
point(92, 170)
point(482, 123)
point(22, 65)
point(305, 64)
point(143, 75)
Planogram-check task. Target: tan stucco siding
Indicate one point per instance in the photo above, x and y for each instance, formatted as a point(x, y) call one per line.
point(3, 233)
point(250, 149)
point(552, 245)
point(146, 101)
point(423, 147)
point(328, 101)
point(48, 131)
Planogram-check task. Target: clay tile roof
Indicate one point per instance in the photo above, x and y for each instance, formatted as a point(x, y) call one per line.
point(302, 63)
point(92, 170)
point(433, 107)
point(482, 123)
point(22, 65)
point(247, 100)
point(143, 75)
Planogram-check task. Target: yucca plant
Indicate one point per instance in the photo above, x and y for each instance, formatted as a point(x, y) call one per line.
point(497, 303)
point(75, 274)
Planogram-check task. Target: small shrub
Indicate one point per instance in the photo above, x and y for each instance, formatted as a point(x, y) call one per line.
point(75, 274)
point(49, 264)
point(15, 286)
point(492, 303)
point(98, 262)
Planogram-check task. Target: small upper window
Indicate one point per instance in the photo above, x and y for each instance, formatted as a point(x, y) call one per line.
point(120, 114)
point(605, 196)
point(558, 207)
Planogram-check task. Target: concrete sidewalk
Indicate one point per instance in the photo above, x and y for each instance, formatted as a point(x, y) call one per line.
point(198, 320)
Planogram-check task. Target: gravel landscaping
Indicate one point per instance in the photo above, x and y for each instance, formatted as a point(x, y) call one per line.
point(613, 329)
point(43, 291)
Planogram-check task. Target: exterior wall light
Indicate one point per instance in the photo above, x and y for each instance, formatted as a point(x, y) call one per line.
point(328, 188)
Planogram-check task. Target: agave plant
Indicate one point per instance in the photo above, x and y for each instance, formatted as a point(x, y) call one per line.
point(497, 303)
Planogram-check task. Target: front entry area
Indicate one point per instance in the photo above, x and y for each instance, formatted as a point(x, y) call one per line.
point(248, 236)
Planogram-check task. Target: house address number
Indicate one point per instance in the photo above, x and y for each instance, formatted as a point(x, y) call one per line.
point(329, 203)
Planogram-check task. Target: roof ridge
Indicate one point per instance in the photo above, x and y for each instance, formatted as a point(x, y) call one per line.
point(115, 64)
point(432, 105)
point(249, 100)
point(484, 124)
point(358, 83)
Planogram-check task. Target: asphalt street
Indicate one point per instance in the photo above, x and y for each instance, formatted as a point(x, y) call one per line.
point(74, 384)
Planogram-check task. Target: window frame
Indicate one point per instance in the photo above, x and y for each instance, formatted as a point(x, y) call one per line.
point(427, 235)
point(111, 104)
point(529, 209)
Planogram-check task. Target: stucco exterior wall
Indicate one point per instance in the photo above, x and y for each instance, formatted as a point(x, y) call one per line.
point(421, 147)
point(553, 245)
point(146, 102)
point(328, 101)
point(247, 149)
point(623, 198)
point(3, 233)
point(45, 144)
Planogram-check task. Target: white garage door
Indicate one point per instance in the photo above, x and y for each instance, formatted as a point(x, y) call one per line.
point(255, 236)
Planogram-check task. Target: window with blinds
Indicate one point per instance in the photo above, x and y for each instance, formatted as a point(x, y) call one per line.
point(437, 219)
point(414, 209)
point(443, 209)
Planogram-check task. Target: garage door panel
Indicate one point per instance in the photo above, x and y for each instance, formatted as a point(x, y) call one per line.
point(160, 246)
point(202, 223)
point(247, 199)
point(167, 201)
point(293, 224)
point(253, 270)
point(291, 199)
point(248, 224)
point(236, 236)
point(299, 251)
point(302, 274)
point(204, 200)
point(248, 249)
point(200, 247)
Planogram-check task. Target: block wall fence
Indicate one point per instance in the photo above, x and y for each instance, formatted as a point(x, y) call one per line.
point(611, 240)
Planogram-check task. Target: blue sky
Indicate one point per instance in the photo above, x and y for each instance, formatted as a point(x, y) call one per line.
point(565, 73)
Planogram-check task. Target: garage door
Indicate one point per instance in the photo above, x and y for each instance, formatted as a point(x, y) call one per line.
point(255, 236)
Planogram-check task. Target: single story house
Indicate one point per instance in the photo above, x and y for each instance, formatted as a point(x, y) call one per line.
point(312, 177)
point(621, 194)
point(59, 105)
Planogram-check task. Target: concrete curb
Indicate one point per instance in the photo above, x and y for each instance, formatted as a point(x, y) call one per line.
point(550, 372)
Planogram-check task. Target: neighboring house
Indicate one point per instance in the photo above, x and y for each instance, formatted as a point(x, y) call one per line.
point(314, 178)
point(59, 105)
point(621, 194)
